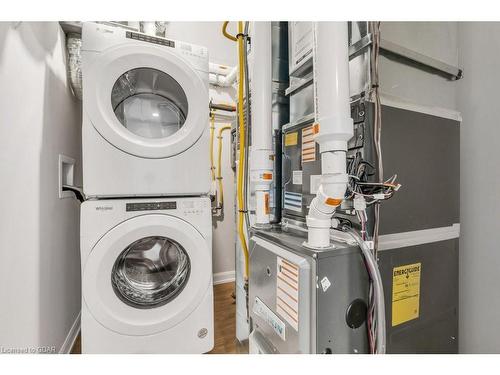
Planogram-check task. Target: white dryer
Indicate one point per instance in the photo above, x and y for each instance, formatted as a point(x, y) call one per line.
point(147, 276)
point(145, 115)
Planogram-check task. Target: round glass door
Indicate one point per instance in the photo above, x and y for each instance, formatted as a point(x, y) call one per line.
point(150, 272)
point(149, 103)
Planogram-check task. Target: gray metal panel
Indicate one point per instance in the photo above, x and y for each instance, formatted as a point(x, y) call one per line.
point(436, 328)
point(263, 267)
point(302, 101)
point(292, 158)
point(350, 281)
point(326, 326)
point(424, 151)
point(292, 161)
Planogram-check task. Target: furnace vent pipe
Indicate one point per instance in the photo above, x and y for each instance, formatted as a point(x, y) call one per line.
point(333, 125)
point(261, 160)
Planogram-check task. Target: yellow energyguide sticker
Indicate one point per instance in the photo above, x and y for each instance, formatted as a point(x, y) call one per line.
point(291, 139)
point(405, 293)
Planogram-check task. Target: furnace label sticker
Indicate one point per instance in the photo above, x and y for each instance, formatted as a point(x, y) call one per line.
point(260, 309)
point(297, 177)
point(291, 139)
point(315, 181)
point(405, 293)
point(293, 201)
point(287, 292)
point(308, 145)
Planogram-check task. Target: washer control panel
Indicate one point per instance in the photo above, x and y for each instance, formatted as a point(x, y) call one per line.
point(151, 206)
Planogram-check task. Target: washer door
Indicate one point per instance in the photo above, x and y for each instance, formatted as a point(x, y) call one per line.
point(146, 275)
point(146, 100)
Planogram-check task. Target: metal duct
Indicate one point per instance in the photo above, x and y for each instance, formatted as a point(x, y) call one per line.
point(155, 28)
point(73, 46)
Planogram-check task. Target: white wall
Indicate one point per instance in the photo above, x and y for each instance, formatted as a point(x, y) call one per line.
point(221, 51)
point(39, 251)
point(480, 188)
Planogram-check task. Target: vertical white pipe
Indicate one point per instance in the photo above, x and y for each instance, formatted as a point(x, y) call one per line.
point(261, 86)
point(331, 85)
point(333, 123)
point(261, 162)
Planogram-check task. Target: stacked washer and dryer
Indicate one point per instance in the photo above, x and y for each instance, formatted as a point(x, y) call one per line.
point(146, 229)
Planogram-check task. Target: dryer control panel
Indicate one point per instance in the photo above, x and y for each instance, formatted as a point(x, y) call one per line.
point(150, 39)
point(151, 206)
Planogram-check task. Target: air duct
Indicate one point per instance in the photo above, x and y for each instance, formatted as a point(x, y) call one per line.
point(73, 46)
point(154, 28)
point(333, 125)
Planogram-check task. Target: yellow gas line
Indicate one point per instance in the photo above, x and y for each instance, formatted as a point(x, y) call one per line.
point(212, 130)
point(241, 129)
point(220, 190)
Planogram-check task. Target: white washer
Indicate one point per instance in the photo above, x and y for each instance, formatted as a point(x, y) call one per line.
point(145, 115)
point(147, 276)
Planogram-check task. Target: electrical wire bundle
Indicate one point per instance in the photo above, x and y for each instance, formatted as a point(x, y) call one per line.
point(377, 128)
point(359, 172)
point(366, 185)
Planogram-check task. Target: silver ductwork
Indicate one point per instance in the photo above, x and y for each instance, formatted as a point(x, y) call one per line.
point(74, 46)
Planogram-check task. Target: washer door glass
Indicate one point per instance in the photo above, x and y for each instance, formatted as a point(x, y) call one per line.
point(149, 103)
point(150, 272)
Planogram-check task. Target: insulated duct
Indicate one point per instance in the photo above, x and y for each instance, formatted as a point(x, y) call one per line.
point(333, 125)
point(154, 28)
point(74, 46)
point(261, 160)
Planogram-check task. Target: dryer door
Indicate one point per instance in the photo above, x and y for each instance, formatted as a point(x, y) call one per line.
point(146, 100)
point(147, 274)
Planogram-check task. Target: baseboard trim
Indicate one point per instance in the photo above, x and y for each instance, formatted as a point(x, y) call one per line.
point(224, 277)
point(71, 337)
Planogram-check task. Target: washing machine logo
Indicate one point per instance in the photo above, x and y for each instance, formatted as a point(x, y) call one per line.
point(104, 208)
point(202, 333)
point(104, 30)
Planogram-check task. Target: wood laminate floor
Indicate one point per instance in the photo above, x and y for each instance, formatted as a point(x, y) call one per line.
point(224, 324)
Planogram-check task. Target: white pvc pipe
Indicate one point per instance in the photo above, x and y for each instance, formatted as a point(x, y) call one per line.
point(261, 82)
point(219, 69)
point(223, 80)
point(331, 85)
point(333, 123)
point(261, 162)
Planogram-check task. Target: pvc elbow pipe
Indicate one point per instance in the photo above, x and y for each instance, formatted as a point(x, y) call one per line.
point(333, 119)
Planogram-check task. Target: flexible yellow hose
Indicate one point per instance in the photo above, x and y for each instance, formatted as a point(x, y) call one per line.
point(226, 34)
point(219, 168)
point(241, 160)
point(241, 130)
point(212, 130)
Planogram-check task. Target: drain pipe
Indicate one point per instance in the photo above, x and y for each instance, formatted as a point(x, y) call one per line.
point(333, 125)
point(261, 160)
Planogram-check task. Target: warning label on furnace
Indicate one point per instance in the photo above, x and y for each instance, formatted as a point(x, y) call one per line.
point(405, 293)
point(291, 139)
point(287, 292)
